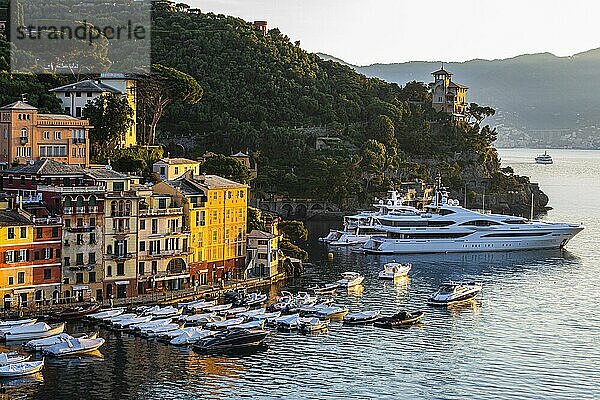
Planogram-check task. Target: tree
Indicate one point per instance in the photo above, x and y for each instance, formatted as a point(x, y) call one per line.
point(479, 113)
point(293, 230)
point(160, 88)
point(254, 220)
point(111, 117)
point(227, 167)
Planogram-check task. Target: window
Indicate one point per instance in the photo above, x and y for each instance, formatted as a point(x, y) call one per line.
point(67, 261)
point(176, 170)
point(141, 268)
point(39, 233)
point(92, 238)
point(162, 203)
point(11, 233)
point(92, 258)
point(214, 235)
point(77, 94)
point(154, 267)
point(79, 259)
point(109, 270)
point(80, 238)
point(11, 280)
point(47, 253)
point(118, 186)
point(55, 231)
point(47, 273)
point(162, 170)
point(88, 94)
point(142, 246)
point(120, 269)
point(46, 135)
point(92, 277)
point(21, 277)
point(57, 135)
point(79, 220)
point(66, 281)
point(36, 255)
point(154, 226)
point(92, 220)
point(142, 224)
point(67, 223)
point(79, 277)
point(23, 255)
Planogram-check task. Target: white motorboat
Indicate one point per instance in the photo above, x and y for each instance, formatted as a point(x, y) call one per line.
point(40, 344)
point(361, 318)
point(21, 369)
point(191, 336)
point(394, 270)
point(219, 308)
point(233, 311)
point(200, 319)
point(150, 324)
point(303, 298)
point(116, 318)
point(545, 159)
point(249, 325)
point(334, 312)
point(218, 325)
point(5, 325)
point(454, 292)
point(164, 312)
point(287, 322)
point(350, 279)
point(268, 317)
point(74, 346)
point(251, 313)
point(159, 330)
point(446, 227)
point(311, 310)
point(29, 332)
point(12, 358)
point(124, 324)
point(312, 325)
point(105, 314)
point(324, 288)
point(201, 305)
point(254, 299)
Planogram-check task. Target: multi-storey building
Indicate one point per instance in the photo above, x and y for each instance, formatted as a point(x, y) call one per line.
point(172, 168)
point(75, 96)
point(163, 243)
point(119, 232)
point(26, 135)
point(448, 96)
point(30, 261)
point(215, 211)
point(266, 253)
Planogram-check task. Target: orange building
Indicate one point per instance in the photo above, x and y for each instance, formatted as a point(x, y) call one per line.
point(26, 135)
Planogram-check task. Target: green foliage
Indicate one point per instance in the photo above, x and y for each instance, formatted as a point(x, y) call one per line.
point(111, 117)
point(137, 160)
point(227, 167)
point(292, 250)
point(254, 220)
point(295, 231)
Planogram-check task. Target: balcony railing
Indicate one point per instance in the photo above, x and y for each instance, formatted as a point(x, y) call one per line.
point(47, 220)
point(162, 211)
point(164, 253)
point(78, 140)
point(121, 230)
point(81, 229)
point(23, 140)
point(80, 210)
point(67, 210)
point(121, 256)
point(71, 189)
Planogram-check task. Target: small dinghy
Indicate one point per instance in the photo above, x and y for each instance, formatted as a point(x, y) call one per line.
point(335, 312)
point(12, 358)
point(324, 288)
point(254, 299)
point(251, 313)
point(361, 318)
point(29, 332)
point(218, 325)
point(160, 330)
point(350, 279)
point(74, 346)
point(127, 322)
point(394, 270)
point(287, 322)
point(21, 369)
point(231, 340)
point(76, 312)
point(268, 317)
point(191, 336)
point(150, 324)
point(312, 325)
point(402, 318)
point(200, 319)
point(4, 325)
point(219, 308)
point(41, 344)
point(102, 315)
point(232, 311)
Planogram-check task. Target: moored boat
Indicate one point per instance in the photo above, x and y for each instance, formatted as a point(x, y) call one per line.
point(454, 292)
point(324, 288)
point(361, 318)
point(76, 312)
point(4, 325)
point(402, 318)
point(74, 347)
point(34, 331)
point(394, 270)
point(232, 340)
point(191, 336)
point(40, 344)
point(12, 358)
point(287, 322)
point(334, 312)
point(312, 325)
point(350, 279)
point(108, 313)
point(218, 325)
point(21, 369)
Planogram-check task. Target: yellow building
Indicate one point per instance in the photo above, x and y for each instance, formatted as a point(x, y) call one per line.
point(163, 243)
point(172, 168)
point(215, 211)
point(448, 96)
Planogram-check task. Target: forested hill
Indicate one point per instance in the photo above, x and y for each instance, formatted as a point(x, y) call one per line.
point(268, 95)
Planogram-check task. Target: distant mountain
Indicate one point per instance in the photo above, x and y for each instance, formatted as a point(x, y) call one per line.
point(541, 99)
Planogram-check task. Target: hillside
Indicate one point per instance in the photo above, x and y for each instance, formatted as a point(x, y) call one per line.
point(539, 97)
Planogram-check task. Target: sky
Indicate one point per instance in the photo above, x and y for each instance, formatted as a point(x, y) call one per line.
point(364, 32)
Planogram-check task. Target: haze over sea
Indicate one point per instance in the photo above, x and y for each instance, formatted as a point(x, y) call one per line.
point(534, 334)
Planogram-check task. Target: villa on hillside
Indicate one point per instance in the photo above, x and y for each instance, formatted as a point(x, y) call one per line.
point(448, 96)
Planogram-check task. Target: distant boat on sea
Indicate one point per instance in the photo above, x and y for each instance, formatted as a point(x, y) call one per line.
point(544, 159)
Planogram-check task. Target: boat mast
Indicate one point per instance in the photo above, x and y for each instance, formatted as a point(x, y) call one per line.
point(531, 217)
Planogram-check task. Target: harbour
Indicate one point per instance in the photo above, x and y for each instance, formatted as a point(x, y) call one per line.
point(531, 333)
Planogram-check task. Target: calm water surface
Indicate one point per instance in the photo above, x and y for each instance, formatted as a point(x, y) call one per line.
point(534, 334)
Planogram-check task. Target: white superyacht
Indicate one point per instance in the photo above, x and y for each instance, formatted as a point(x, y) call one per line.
point(446, 227)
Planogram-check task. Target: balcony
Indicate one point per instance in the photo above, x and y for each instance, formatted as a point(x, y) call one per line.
point(81, 229)
point(47, 220)
point(120, 256)
point(23, 140)
point(72, 189)
point(93, 209)
point(80, 210)
point(67, 210)
point(161, 211)
point(78, 140)
point(119, 214)
point(122, 229)
point(149, 255)
point(89, 267)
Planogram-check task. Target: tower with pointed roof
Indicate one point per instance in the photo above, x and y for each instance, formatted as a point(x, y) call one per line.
point(448, 96)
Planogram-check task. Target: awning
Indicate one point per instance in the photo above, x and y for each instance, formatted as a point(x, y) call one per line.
point(122, 283)
point(168, 278)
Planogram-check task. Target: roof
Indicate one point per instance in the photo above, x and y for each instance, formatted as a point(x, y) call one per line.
point(46, 166)
point(441, 71)
point(457, 85)
point(186, 187)
point(255, 233)
point(217, 182)
point(18, 105)
point(13, 218)
point(105, 173)
point(88, 85)
point(240, 154)
point(172, 161)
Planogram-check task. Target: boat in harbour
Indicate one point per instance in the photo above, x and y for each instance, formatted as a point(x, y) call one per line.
point(324, 288)
point(361, 318)
point(108, 313)
point(350, 279)
point(312, 325)
point(454, 292)
point(21, 369)
point(402, 318)
point(394, 270)
point(12, 358)
point(74, 346)
point(76, 312)
point(41, 344)
point(29, 332)
point(333, 312)
point(5, 325)
point(446, 227)
point(231, 340)
point(545, 159)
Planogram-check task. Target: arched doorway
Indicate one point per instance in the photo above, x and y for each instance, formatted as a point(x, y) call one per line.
point(176, 266)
